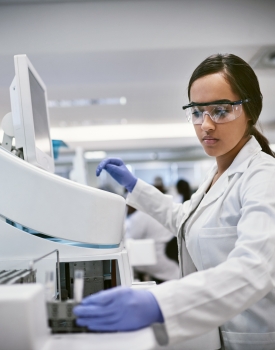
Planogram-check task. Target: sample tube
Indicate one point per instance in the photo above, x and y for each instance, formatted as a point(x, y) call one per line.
point(78, 285)
point(49, 285)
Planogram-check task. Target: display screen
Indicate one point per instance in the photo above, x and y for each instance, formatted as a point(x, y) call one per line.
point(39, 108)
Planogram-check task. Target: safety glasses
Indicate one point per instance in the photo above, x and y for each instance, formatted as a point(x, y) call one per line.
point(222, 111)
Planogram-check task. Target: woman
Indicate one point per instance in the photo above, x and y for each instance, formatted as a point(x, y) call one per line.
point(226, 232)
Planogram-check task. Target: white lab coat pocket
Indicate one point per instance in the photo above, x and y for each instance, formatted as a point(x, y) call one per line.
point(215, 244)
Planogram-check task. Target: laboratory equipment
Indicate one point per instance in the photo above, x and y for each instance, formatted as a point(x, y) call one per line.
point(83, 223)
point(78, 220)
point(142, 252)
point(78, 285)
point(30, 115)
point(61, 318)
point(49, 285)
point(17, 276)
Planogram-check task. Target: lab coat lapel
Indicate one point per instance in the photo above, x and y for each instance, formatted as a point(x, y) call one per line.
point(186, 263)
point(216, 191)
point(197, 196)
point(239, 165)
point(243, 158)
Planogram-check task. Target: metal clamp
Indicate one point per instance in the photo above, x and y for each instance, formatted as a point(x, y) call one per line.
point(32, 262)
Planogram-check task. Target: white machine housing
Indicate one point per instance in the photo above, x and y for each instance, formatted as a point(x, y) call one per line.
point(30, 114)
point(91, 219)
point(23, 310)
point(58, 207)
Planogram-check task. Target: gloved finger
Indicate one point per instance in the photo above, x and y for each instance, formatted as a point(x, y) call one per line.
point(100, 325)
point(115, 161)
point(94, 322)
point(102, 329)
point(94, 325)
point(113, 169)
point(82, 322)
point(95, 310)
point(104, 318)
point(104, 162)
point(103, 297)
point(101, 166)
point(113, 327)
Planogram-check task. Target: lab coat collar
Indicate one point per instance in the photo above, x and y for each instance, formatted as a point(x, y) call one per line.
point(239, 164)
point(242, 160)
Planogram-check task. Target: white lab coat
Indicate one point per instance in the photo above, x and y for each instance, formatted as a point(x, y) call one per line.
point(142, 226)
point(233, 249)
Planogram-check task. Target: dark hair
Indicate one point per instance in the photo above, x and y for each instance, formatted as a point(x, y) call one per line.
point(183, 188)
point(243, 82)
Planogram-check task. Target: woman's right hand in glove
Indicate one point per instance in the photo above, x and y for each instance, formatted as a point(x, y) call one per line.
point(118, 170)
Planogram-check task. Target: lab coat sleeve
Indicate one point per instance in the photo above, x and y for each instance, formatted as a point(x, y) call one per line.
point(207, 299)
point(160, 206)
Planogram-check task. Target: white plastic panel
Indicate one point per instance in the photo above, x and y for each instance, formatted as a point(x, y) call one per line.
point(23, 320)
point(58, 207)
point(142, 252)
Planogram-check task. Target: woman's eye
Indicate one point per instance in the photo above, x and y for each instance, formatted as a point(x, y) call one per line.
point(221, 112)
point(196, 114)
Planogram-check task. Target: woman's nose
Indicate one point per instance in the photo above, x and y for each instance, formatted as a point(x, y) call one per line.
point(207, 122)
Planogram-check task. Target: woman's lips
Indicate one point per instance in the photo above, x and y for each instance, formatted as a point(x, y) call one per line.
point(209, 140)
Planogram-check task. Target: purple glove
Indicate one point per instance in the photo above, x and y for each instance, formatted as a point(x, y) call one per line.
point(118, 309)
point(117, 169)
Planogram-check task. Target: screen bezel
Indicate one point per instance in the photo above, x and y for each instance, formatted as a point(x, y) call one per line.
point(22, 114)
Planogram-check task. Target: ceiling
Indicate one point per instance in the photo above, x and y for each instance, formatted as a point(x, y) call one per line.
point(20, 2)
point(142, 50)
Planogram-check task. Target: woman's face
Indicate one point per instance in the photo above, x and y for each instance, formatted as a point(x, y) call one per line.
point(217, 139)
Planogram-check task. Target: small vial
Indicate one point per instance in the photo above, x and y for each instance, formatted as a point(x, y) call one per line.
point(78, 285)
point(49, 285)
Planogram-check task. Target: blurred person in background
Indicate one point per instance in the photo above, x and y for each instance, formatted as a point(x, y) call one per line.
point(158, 183)
point(140, 225)
point(183, 189)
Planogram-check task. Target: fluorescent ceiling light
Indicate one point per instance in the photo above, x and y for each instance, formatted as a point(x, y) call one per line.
point(123, 132)
point(82, 102)
point(123, 100)
point(95, 155)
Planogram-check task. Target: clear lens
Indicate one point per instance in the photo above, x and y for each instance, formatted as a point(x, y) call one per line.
point(221, 113)
point(237, 110)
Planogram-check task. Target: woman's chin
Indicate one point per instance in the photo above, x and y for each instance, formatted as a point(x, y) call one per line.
point(210, 152)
